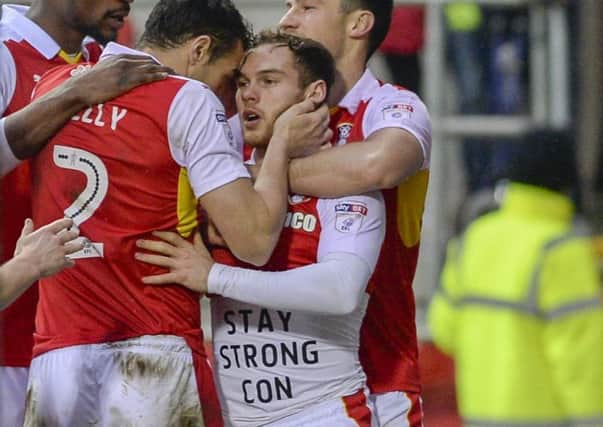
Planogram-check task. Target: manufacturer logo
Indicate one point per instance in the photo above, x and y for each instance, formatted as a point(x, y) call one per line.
point(296, 199)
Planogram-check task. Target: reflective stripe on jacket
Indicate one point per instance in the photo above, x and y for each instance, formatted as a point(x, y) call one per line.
point(520, 312)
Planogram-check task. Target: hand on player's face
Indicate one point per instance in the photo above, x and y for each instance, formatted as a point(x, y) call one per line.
point(268, 100)
point(116, 75)
point(305, 127)
point(188, 263)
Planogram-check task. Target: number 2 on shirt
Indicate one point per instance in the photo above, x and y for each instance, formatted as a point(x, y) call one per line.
point(97, 184)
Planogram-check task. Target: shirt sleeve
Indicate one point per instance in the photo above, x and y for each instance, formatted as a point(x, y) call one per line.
point(8, 161)
point(8, 76)
point(397, 108)
point(237, 133)
point(352, 224)
point(352, 231)
point(334, 286)
point(201, 139)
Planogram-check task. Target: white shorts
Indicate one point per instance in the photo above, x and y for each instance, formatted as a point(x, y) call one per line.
point(13, 387)
point(352, 411)
point(145, 381)
point(398, 409)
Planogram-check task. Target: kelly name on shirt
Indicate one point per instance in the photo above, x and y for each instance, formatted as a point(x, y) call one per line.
point(101, 116)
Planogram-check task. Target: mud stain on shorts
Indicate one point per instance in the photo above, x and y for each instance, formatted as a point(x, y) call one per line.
point(117, 419)
point(30, 408)
point(33, 418)
point(189, 417)
point(134, 365)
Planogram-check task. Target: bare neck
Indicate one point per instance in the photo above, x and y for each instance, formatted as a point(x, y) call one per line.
point(349, 71)
point(259, 154)
point(175, 58)
point(49, 19)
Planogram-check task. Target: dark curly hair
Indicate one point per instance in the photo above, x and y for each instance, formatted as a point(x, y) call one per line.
point(173, 22)
point(314, 62)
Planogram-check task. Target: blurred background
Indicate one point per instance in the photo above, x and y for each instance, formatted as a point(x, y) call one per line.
point(490, 71)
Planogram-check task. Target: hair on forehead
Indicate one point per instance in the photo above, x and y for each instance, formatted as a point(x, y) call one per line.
point(172, 23)
point(311, 59)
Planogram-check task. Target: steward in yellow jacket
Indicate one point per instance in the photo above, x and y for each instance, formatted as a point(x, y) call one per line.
point(520, 310)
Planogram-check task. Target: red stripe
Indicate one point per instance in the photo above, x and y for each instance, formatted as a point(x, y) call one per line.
point(208, 395)
point(356, 408)
point(415, 415)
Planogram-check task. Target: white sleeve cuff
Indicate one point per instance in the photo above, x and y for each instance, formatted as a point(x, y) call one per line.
point(8, 161)
point(334, 286)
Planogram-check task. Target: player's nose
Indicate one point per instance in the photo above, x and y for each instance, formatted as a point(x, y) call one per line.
point(288, 22)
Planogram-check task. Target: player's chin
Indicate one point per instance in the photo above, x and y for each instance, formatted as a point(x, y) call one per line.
point(107, 33)
point(254, 139)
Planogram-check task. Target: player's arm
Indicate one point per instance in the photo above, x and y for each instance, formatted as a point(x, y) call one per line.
point(256, 211)
point(39, 253)
point(352, 231)
point(26, 131)
point(397, 146)
point(335, 285)
point(249, 216)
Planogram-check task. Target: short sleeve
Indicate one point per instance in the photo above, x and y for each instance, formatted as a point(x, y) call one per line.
point(237, 133)
point(8, 76)
point(8, 161)
point(353, 224)
point(201, 139)
point(392, 107)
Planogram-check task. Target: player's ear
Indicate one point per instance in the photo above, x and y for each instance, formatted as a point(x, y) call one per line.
point(360, 23)
point(316, 91)
point(200, 50)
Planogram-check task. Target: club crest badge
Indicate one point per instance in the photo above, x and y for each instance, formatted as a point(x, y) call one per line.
point(343, 133)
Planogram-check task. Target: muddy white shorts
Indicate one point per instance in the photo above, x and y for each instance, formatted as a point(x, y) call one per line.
point(141, 382)
point(13, 386)
point(398, 409)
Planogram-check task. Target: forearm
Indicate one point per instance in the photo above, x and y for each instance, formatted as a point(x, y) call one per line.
point(16, 276)
point(329, 173)
point(384, 160)
point(271, 185)
point(28, 129)
point(333, 286)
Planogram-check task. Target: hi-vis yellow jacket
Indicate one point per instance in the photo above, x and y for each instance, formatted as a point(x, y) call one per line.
point(520, 312)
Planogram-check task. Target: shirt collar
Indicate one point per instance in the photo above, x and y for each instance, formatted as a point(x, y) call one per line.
point(536, 201)
point(367, 84)
point(113, 49)
point(13, 16)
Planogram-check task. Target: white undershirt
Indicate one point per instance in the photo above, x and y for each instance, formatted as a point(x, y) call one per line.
point(335, 285)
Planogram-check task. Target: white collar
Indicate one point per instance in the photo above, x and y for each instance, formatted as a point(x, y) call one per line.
point(113, 49)
point(13, 16)
point(367, 84)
